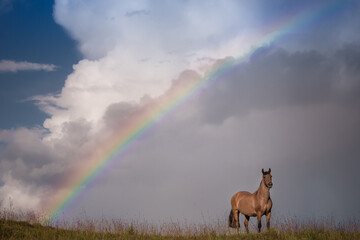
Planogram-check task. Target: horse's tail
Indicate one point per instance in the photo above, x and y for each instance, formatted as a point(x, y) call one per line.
point(232, 222)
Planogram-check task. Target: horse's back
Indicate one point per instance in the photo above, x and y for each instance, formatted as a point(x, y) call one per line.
point(244, 202)
point(240, 195)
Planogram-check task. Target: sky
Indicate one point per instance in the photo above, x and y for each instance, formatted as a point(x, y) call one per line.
point(75, 75)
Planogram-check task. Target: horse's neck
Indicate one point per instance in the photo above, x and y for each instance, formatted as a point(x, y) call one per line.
point(263, 192)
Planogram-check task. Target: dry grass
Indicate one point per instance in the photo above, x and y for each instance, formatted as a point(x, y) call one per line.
point(26, 225)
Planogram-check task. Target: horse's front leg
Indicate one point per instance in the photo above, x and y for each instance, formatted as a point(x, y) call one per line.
point(268, 215)
point(259, 221)
point(246, 223)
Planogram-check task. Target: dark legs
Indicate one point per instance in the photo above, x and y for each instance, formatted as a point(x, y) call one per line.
point(246, 223)
point(259, 221)
point(268, 215)
point(236, 217)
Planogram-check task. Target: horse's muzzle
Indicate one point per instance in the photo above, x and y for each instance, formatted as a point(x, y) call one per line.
point(269, 185)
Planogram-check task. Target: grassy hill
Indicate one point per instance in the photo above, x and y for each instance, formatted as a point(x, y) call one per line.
point(10, 229)
point(16, 225)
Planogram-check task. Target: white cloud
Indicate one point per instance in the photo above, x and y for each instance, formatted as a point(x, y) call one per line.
point(180, 26)
point(134, 49)
point(18, 195)
point(12, 66)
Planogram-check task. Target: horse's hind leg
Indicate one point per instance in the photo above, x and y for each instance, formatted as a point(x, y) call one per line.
point(246, 223)
point(268, 215)
point(236, 216)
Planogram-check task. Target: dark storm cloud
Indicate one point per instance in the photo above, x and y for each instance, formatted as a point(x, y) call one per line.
point(294, 112)
point(309, 103)
point(348, 59)
point(26, 157)
point(75, 134)
point(118, 113)
point(277, 78)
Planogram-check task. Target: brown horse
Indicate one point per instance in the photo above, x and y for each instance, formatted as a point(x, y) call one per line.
point(254, 204)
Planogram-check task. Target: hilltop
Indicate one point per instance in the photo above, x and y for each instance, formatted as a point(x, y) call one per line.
point(10, 229)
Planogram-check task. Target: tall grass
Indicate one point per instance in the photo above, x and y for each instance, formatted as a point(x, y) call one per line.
point(27, 225)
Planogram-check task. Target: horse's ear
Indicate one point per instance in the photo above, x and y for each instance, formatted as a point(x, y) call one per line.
point(262, 170)
point(269, 170)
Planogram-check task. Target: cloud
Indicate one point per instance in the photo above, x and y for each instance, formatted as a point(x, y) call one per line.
point(298, 115)
point(154, 28)
point(291, 116)
point(292, 109)
point(137, 13)
point(285, 79)
point(18, 195)
point(122, 63)
point(31, 167)
point(24, 156)
point(197, 163)
point(12, 66)
point(126, 58)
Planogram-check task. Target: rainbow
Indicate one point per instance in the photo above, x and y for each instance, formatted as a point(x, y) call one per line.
point(115, 146)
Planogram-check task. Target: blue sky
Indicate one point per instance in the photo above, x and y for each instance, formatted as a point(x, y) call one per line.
point(29, 33)
point(72, 72)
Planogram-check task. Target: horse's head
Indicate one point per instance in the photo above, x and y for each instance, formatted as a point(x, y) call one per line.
point(267, 178)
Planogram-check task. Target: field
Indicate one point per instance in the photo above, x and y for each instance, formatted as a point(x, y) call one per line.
point(27, 226)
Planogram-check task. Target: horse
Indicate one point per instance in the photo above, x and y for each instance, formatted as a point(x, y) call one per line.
point(254, 204)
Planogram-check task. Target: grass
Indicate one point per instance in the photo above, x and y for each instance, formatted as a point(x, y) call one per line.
point(27, 225)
